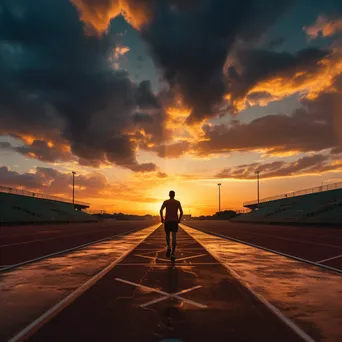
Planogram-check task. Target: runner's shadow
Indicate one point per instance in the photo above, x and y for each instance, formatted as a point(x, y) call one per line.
point(172, 313)
point(172, 279)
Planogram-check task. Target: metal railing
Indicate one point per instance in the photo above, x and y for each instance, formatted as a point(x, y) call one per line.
point(39, 195)
point(243, 211)
point(93, 212)
point(316, 189)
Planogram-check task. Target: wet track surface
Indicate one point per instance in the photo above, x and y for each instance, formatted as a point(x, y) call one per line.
point(309, 295)
point(217, 290)
point(29, 291)
point(316, 244)
point(147, 298)
point(21, 243)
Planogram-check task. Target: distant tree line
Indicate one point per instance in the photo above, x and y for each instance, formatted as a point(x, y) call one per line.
point(127, 217)
point(222, 215)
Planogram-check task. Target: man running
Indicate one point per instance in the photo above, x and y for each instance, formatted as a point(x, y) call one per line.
point(171, 221)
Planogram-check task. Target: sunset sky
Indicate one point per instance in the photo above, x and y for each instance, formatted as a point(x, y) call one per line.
point(143, 96)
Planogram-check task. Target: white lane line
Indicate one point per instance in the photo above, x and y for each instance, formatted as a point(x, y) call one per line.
point(48, 315)
point(150, 258)
point(149, 251)
point(58, 237)
point(262, 299)
point(51, 238)
point(289, 239)
point(328, 259)
point(191, 257)
point(8, 268)
point(180, 249)
point(166, 295)
point(337, 270)
point(178, 259)
point(53, 229)
point(166, 264)
point(153, 244)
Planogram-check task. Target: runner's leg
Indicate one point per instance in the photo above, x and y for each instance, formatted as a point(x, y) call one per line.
point(174, 242)
point(167, 233)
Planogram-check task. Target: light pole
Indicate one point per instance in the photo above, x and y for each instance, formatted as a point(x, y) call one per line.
point(73, 187)
point(219, 189)
point(257, 172)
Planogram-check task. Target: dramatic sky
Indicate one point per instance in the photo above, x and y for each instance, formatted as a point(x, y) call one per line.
point(139, 97)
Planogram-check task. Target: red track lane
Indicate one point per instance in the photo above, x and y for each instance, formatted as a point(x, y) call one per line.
point(22, 243)
point(310, 243)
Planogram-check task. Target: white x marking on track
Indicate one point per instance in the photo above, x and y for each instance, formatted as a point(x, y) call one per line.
point(166, 295)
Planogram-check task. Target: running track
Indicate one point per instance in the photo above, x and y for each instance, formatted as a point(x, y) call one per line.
point(145, 279)
point(21, 243)
point(315, 244)
point(320, 245)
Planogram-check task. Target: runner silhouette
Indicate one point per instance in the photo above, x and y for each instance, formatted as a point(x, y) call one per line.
point(171, 221)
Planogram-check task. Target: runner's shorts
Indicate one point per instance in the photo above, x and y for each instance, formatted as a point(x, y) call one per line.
point(171, 226)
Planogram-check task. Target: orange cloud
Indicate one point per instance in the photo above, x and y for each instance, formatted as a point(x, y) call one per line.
point(309, 84)
point(120, 51)
point(97, 16)
point(176, 123)
point(323, 27)
point(29, 140)
point(312, 164)
point(41, 148)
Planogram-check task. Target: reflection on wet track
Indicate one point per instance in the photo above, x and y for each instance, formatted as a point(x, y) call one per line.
point(193, 299)
point(307, 294)
point(29, 291)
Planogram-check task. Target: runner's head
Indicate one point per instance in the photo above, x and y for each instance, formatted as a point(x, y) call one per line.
point(172, 194)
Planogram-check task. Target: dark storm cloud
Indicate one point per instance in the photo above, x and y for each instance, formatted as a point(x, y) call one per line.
point(150, 117)
point(12, 179)
point(314, 164)
point(57, 83)
point(276, 42)
point(40, 150)
point(279, 133)
point(314, 127)
point(191, 45)
point(192, 42)
point(5, 145)
point(145, 98)
point(259, 65)
point(51, 181)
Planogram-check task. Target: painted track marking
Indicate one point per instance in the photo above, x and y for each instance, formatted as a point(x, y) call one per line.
point(262, 299)
point(289, 239)
point(29, 330)
point(166, 295)
point(151, 258)
point(337, 270)
point(166, 264)
point(328, 259)
point(178, 259)
point(54, 238)
point(8, 268)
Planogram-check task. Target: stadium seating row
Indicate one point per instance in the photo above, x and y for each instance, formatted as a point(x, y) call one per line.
point(322, 207)
point(19, 209)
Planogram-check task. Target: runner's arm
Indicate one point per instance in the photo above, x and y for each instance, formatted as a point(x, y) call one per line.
point(180, 212)
point(161, 212)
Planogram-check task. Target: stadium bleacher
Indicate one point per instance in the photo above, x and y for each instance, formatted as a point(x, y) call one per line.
point(320, 205)
point(17, 206)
